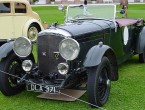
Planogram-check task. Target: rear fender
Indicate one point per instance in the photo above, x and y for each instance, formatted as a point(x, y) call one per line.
point(140, 46)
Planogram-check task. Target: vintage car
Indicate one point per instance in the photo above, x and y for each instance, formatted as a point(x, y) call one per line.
point(83, 53)
point(17, 19)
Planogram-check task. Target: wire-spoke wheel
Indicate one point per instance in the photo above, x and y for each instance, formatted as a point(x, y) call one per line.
point(99, 84)
point(10, 74)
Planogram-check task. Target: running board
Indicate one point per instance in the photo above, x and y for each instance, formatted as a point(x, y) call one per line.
point(64, 95)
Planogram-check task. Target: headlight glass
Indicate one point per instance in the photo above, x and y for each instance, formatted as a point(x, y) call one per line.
point(69, 49)
point(62, 68)
point(22, 47)
point(27, 65)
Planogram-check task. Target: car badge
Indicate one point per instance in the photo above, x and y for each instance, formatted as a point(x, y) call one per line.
point(44, 53)
point(56, 55)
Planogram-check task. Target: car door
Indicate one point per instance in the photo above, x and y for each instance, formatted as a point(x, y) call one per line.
point(6, 20)
point(20, 18)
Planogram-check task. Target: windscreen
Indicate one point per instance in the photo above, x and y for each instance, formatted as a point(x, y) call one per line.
point(91, 11)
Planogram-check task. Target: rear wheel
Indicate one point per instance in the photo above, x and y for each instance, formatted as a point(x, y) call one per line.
point(10, 67)
point(99, 84)
point(142, 57)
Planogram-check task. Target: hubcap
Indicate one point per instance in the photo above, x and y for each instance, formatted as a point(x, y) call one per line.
point(32, 33)
point(108, 82)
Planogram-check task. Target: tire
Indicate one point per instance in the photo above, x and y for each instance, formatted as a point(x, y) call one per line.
point(33, 32)
point(8, 84)
point(142, 57)
point(98, 85)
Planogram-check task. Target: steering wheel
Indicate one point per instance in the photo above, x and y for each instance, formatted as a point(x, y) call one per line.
point(79, 16)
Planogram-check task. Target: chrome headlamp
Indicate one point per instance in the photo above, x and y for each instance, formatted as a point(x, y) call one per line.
point(22, 47)
point(69, 49)
point(63, 68)
point(27, 65)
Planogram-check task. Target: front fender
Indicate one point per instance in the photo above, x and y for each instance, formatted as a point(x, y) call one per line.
point(5, 49)
point(28, 23)
point(141, 41)
point(94, 55)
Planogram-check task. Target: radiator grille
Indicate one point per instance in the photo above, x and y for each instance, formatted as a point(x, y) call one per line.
point(48, 46)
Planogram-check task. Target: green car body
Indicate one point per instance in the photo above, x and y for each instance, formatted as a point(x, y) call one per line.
point(86, 49)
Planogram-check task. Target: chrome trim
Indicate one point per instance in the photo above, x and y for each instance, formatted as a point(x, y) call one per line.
point(65, 65)
point(56, 55)
point(29, 63)
point(54, 30)
point(28, 41)
point(76, 44)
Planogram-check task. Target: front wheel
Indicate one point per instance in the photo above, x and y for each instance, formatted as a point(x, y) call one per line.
point(99, 84)
point(9, 68)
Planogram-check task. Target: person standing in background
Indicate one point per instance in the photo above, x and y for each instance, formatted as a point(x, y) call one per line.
point(124, 6)
point(85, 7)
point(85, 2)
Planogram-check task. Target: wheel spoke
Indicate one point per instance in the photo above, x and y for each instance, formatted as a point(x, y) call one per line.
point(15, 69)
point(102, 88)
point(102, 84)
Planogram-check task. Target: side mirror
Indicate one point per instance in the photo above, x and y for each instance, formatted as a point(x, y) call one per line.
point(60, 7)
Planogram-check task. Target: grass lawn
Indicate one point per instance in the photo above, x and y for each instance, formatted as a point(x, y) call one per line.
point(50, 14)
point(126, 94)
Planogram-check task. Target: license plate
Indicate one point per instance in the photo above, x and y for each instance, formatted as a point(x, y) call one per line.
point(42, 88)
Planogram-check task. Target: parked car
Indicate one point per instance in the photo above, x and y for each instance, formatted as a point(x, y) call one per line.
point(17, 19)
point(88, 47)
